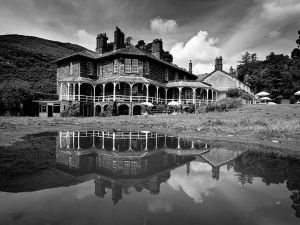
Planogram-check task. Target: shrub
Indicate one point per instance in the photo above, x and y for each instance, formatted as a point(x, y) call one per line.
point(224, 105)
point(71, 111)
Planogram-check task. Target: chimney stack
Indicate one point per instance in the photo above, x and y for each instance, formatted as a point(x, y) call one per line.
point(190, 67)
point(157, 48)
point(101, 45)
point(119, 39)
point(219, 63)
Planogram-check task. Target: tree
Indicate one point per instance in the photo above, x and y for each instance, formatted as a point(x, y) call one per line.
point(14, 94)
point(128, 41)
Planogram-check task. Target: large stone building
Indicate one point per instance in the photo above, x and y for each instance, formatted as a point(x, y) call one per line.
point(127, 77)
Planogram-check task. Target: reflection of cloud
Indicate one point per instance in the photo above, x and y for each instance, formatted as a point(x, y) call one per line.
point(197, 185)
point(274, 34)
point(159, 205)
point(84, 191)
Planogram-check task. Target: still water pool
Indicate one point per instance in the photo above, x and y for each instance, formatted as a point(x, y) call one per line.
point(98, 177)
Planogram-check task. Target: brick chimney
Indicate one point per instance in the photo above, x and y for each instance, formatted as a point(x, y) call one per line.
point(219, 63)
point(119, 39)
point(157, 47)
point(190, 67)
point(101, 46)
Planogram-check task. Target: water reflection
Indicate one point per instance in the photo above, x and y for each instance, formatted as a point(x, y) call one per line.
point(143, 160)
point(132, 169)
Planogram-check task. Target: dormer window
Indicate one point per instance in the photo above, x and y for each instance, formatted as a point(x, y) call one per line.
point(89, 69)
point(135, 66)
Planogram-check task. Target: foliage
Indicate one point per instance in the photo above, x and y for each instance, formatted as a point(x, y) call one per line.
point(71, 111)
point(238, 93)
point(233, 93)
point(29, 59)
point(14, 94)
point(222, 105)
point(165, 55)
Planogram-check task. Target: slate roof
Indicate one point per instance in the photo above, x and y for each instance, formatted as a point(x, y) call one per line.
point(130, 50)
point(202, 77)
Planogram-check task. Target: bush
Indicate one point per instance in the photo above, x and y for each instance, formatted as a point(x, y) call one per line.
point(71, 111)
point(223, 105)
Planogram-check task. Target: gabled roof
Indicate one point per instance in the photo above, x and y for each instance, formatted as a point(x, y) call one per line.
point(202, 77)
point(130, 50)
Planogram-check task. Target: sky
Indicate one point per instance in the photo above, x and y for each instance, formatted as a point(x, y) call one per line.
point(197, 30)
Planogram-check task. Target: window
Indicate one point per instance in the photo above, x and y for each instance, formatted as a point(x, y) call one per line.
point(135, 66)
point(43, 108)
point(127, 65)
point(167, 75)
point(116, 66)
point(71, 68)
point(89, 69)
point(99, 70)
point(126, 164)
point(146, 69)
point(56, 109)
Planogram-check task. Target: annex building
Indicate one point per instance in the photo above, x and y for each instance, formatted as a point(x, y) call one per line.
point(128, 77)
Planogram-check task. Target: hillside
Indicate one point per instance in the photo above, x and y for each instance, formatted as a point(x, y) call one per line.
point(29, 59)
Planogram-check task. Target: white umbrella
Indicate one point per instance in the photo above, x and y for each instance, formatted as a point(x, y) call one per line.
point(265, 98)
point(262, 93)
point(297, 93)
point(173, 103)
point(147, 104)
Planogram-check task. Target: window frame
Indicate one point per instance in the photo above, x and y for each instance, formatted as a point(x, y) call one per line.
point(127, 65)
point(134, 65)
point(89, 69)
point(147, 68)
point(116, 66)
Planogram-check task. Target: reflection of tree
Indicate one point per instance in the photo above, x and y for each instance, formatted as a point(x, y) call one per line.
point(272, 170)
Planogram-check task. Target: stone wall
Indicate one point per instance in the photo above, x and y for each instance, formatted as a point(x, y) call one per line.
point(63, 71)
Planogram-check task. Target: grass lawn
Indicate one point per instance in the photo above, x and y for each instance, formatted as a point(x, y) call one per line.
point(255, 123)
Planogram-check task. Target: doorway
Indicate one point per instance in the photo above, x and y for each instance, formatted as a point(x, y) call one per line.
point(50, 111)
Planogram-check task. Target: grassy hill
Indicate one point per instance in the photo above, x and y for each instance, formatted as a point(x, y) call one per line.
point(29, 58)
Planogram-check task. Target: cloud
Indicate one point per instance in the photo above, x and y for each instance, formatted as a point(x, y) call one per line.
point(274, 34)
point(200, 49)
point(159, 205)
point(266, 17)
point(197, 185)
point(163, 27)
point(85, 39)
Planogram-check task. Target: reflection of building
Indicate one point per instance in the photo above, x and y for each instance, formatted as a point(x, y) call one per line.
point(217, 158)
point(120, 160)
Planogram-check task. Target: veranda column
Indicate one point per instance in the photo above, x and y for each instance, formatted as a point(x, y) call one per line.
point(79, 84)
point(131, 85)
point(147, 92)
point(206, 95)
point(94, 99)
point(61, 92)
point(78, 140)
point(74, 87)
point(166, 97)
point(114, 142)
point(68, 91)
point(179, 97)
point(103, 92)
point(94, 86)
point(194, 95)
point(114, 96)
point(157, 93)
